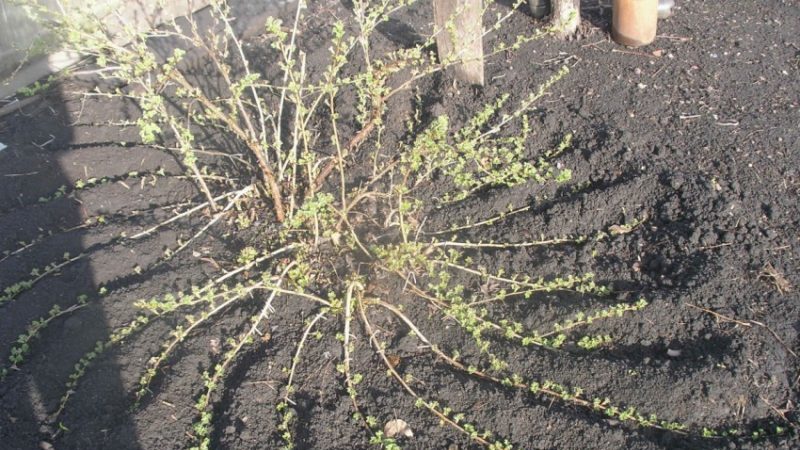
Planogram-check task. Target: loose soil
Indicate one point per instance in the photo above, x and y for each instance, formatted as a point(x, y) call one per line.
point(696, 136)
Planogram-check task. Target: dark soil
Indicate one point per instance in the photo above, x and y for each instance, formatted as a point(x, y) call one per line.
point(695, 135)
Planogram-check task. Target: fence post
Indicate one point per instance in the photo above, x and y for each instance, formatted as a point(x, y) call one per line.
point(566, 16)
point(461, 35)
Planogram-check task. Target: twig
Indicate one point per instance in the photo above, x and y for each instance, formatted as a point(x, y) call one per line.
point(628, 52)
point(494, 245)
point(296, 358)
point(20, 174)
point(187, 213)
point(354, 143)
point(673, 37)
point(16, 105)
point(778, 338)
point(391, 368)
point(213, 221)
point(718, 315)
point(748, 324)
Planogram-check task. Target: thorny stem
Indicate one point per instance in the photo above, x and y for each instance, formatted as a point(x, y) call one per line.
point(189, 212)
point(196, 172)
point(300, 6)
point(248, 266)
point(455, 57)
point(481, 374)
point(379, 105)
point(442, 306)
point(492, 245)
point(216, 219)
point(352, 145)
point(339, 160)
point(296, 132)
point(348, 318)
point(296, 357)
point(487, 275)
point(34, 328)
point(377, 345)
point(156, 362)
point(44, 274)
point(246, 65)
point(221, 369)
point(305, 295)
point(253, 145)
point(488, 221)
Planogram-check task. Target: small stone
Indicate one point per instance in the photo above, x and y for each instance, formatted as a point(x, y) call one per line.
point(230, 429)
point(676, 182)
point(44, 445)
point(673, 353)
point(709, 238)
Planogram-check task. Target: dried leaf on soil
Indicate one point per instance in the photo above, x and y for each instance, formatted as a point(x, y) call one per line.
point(620, 229)
point(394, 360)
point(397, 427)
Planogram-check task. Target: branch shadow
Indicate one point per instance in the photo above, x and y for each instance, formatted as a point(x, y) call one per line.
point(55, 142)
point(31, 241)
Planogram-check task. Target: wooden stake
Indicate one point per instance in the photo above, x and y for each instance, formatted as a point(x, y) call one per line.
point(566, 17)
point(461, 36)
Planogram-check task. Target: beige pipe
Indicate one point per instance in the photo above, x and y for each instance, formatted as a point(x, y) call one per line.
point(634, 22)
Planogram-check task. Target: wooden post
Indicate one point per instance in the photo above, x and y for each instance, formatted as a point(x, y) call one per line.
point(462, 36)
point(566, 16)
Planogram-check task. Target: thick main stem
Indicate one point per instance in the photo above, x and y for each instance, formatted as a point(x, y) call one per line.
point(253, 145)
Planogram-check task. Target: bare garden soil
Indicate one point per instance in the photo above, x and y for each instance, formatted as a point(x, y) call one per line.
point(694, 139)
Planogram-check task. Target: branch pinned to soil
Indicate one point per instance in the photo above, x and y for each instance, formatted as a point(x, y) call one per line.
point(748, 324)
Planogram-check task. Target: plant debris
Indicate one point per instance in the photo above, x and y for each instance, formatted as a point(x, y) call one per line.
point(397, 427)
point(770, 274)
